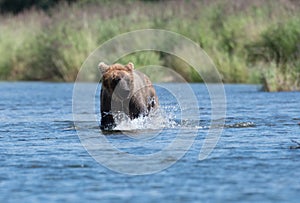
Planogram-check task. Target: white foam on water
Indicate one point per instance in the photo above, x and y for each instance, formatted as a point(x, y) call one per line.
point(157, 119)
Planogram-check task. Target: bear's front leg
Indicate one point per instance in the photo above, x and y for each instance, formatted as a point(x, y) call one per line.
point(107, 121)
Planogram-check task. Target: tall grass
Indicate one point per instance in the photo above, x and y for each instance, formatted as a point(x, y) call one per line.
point(35, 45)
point(277, 53)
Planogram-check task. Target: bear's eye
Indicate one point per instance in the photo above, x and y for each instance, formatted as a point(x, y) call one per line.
point(115, 81)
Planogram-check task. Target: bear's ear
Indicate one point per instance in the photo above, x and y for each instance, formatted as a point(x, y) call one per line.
point(103, 67)
point(130, 66)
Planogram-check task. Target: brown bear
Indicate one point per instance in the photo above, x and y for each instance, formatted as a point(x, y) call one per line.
point(124, 90)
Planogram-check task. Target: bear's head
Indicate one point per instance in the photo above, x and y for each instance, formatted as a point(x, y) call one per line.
point(117, 79)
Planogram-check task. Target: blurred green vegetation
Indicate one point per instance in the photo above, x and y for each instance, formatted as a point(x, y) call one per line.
point(254, 41)
point(277, 53)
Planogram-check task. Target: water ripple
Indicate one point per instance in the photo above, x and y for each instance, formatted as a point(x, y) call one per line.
point(42, 157)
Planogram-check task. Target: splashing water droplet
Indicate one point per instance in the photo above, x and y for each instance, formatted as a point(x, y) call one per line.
point(157, 119)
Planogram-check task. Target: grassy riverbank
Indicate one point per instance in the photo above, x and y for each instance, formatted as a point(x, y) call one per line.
point(249, 41)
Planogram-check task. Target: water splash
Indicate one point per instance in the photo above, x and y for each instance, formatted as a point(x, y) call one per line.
point(157, 119)
point(240, 125)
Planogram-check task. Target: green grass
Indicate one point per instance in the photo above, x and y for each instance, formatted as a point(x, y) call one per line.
point(249, 41)
point(277, 53)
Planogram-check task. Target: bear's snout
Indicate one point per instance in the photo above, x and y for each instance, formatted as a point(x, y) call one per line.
point(124, 94)
point(122, 90)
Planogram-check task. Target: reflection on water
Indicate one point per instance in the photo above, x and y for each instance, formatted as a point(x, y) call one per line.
point(42, 158)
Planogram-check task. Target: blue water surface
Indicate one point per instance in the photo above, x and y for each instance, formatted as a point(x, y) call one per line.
point(43, 160)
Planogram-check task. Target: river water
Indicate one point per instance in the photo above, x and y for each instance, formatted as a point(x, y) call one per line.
point(43, 159)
